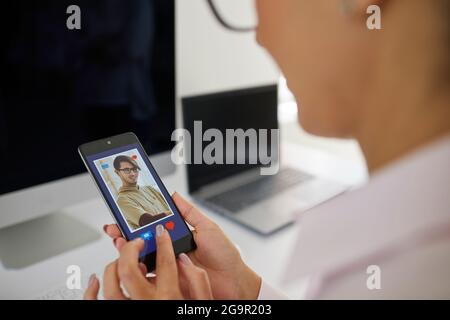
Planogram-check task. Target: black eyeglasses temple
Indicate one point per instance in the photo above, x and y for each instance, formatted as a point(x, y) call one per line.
point(222, 21)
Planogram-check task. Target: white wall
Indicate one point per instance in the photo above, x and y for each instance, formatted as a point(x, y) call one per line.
point(210, 58)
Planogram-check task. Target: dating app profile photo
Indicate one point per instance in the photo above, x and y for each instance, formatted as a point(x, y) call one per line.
point(133, 188)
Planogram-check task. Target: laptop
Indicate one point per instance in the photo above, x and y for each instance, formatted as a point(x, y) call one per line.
point(238, 190)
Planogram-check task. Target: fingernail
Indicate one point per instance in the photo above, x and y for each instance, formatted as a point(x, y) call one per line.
point(139, 239)
point(92, 279)
point(159, 230)
point(185, 259)
point(104, 228)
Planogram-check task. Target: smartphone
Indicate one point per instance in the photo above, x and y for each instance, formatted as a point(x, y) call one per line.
point(134, 193)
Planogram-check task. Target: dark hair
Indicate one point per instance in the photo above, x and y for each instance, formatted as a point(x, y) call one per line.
point(119, 159)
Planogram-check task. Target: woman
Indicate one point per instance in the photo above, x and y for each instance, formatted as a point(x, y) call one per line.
point(386, 88)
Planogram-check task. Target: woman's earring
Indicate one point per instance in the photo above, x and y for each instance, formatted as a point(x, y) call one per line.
point(347, 6)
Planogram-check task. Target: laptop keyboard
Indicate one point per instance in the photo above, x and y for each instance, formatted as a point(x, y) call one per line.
point(250, 193)
point(61, 293)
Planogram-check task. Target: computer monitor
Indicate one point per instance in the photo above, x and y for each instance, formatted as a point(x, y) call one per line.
point(61, 87)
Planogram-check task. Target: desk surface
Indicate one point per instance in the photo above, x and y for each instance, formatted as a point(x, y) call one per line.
point(256, 250)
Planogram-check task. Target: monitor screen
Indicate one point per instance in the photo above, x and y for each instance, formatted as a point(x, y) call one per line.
point(62, 87)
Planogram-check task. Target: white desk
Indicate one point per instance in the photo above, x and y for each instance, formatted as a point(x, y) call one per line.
point(266, 255)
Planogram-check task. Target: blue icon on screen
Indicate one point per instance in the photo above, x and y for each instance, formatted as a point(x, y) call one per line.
point(105, 166)
point(147, 235)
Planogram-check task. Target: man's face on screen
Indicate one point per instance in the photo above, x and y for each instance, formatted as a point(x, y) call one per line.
point(128, 173)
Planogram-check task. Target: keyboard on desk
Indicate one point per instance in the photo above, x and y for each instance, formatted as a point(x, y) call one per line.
point(245, 195)
point(61, 293)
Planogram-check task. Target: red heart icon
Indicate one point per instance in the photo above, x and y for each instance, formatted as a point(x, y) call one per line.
point(134, 157)
point(170, 225)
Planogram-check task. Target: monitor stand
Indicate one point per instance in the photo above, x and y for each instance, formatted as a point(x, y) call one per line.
point(33, 241)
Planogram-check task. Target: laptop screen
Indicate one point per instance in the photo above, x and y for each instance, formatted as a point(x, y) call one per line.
point(230, 114)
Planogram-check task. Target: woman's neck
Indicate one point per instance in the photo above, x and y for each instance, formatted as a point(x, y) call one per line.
point(408, 105)
point(403, 129)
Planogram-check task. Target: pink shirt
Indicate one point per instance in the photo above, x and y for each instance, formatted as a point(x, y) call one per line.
point(398, 222)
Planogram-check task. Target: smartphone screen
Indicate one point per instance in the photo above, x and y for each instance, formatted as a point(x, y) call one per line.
point(134, 193)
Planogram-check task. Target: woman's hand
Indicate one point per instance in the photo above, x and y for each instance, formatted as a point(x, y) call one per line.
point(230, 277)
point(128, 272)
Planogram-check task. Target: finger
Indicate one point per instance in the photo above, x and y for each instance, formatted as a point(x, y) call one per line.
point(144, 271)
point(152, 280)
point(111, 283)
point(91, 292)
point(190, 213)
point(193, 258)
point(196, 278)
point(129, 271)
point(166, 265)
point(112, 230)
point(143, 268)
point(184, 285)
point(119, 243)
